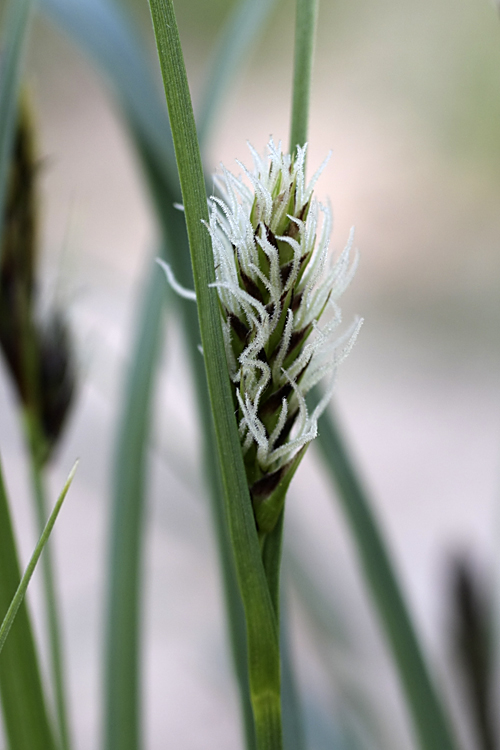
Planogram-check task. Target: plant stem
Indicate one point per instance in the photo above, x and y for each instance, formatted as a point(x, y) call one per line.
point(16, 15)
point(305, 26)
point(430, 722)
point(174, 236)
point(122, 691)
point(51, 602)
point(262, 630)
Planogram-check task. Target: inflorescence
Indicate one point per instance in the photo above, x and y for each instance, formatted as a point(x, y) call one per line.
point(275, 281)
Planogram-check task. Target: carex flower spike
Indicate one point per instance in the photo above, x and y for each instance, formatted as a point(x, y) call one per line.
point(38, 353)
point(275, 282)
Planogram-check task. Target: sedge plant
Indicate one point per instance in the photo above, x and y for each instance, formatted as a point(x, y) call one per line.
point(258, 259)
point(243, 332)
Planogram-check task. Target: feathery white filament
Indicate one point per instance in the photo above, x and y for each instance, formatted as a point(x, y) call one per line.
point(243, 225)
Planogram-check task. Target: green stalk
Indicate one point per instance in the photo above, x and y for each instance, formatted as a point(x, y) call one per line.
point(431, 725)
point(122, 688)
point(430, 722)
point(262, 631)
point(305, 27)
point(51, 603)
point(24, 708)
point(103, 32)
point(15, 29)
point(174, 233)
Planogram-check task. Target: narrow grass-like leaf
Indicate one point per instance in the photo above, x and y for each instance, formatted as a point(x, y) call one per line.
point(79, 20)
point(24, 707)
point(54, 633)
point(264, 668)
point(431, 725)
point(83, 22)
point(305, 26)
point(174, 233)
point(293, 730)
point(9, 618)
point(237, 38)
point(14, 31)
point(122, 704)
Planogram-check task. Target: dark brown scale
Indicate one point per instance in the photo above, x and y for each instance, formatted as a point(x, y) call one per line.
point(270, 308)
point(239, 327)
point(251, 287)
point(262, 356)
point(263, 488)
point(303, 211)
point(285, 272)
point(271, 237)
point(270, 305)
point(296, 300)
point(274, 401)
point(296, 338)
point(293, 228)
point(287, 428)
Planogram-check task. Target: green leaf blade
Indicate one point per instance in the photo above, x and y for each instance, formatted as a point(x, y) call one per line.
point(432, 727)
point(122, 682)
point(262, 632)
point(15, 30)
point(24, 707)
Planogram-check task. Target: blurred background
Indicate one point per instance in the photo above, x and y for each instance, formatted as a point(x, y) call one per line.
point(407, 98)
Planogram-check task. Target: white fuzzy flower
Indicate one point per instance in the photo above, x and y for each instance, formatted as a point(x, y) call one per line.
point(275, 281)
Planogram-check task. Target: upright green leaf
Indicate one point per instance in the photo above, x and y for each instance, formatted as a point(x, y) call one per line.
point(85, 22)
point(174, 234)
point(264, 669)
point(24, 707)
point(123, 650)
point(305, 28)
point(14, 32)
point(430, 722)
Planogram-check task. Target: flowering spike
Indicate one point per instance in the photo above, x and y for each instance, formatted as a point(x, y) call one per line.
point(274, 282)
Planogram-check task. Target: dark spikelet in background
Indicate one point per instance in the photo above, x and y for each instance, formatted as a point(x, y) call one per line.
point(37, 352)
point(471, 631)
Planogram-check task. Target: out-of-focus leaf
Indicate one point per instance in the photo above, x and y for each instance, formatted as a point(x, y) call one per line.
point(262, 635)
point(103, 31)
point(236, 41)
point(15, 24)
point(18, 598)
point(123, 652)
point(430, 721)
point(24, 707)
